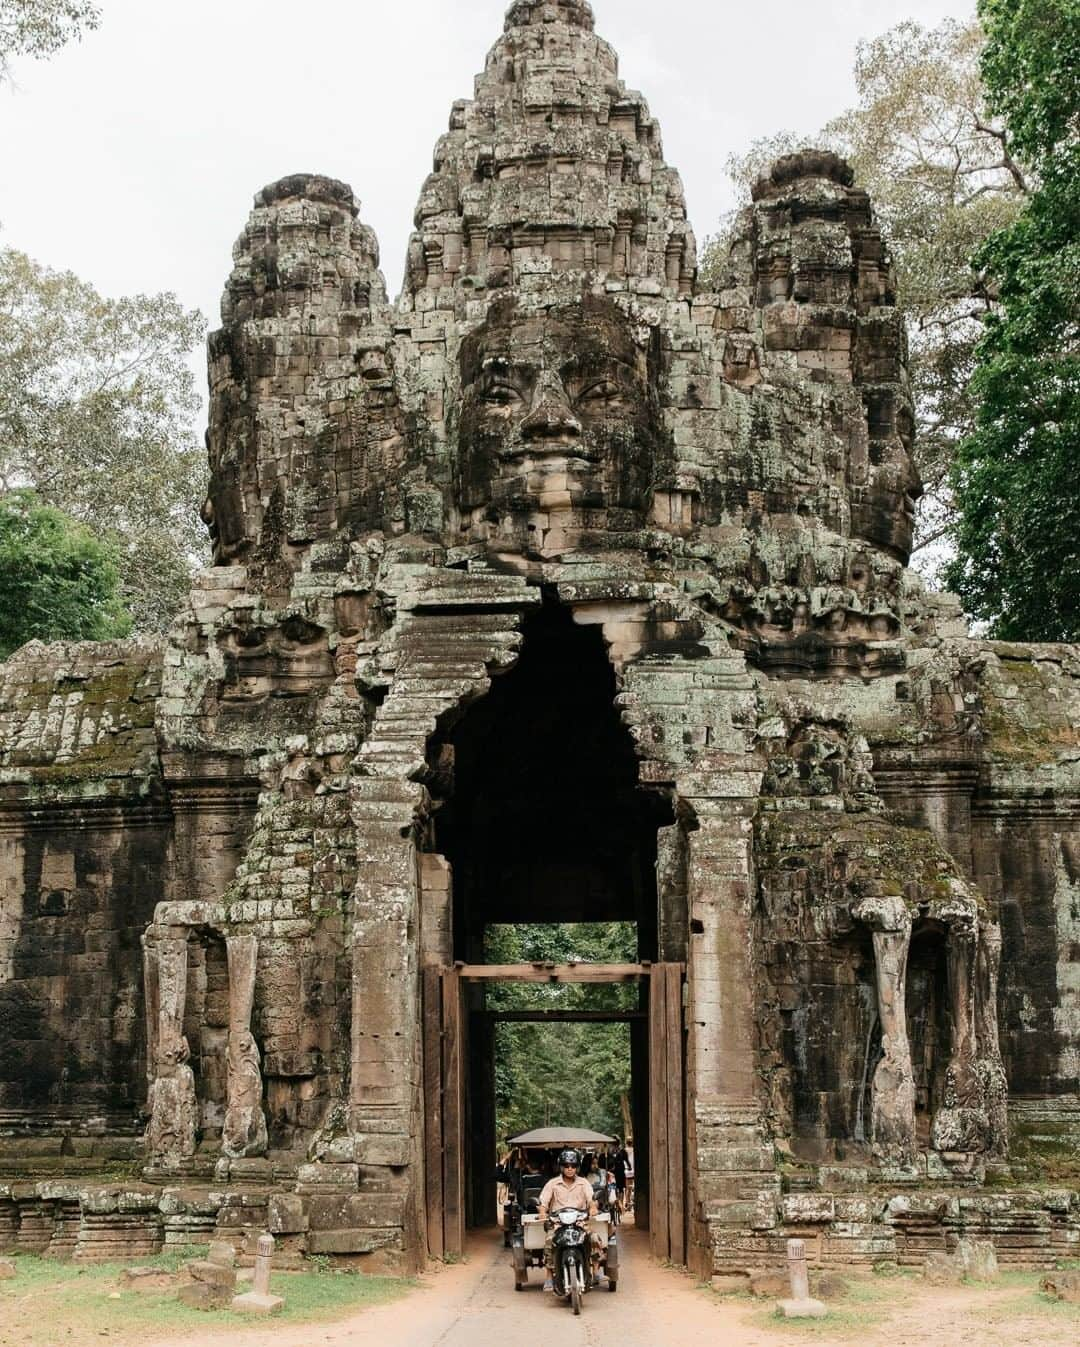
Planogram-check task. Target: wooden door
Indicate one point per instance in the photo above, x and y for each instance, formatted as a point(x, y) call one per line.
point(667, 1114)
point(444, 1112)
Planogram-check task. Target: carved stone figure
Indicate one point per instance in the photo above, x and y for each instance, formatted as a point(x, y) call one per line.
point(244, 1131)
point(173, 1109)
point(893, 1118)
point(174, 1113)
point(989, 1068)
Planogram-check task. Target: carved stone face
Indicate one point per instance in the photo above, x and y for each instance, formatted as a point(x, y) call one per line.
point(560, 427)
point(884, 512)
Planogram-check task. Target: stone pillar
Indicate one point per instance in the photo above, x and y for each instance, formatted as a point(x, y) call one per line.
point(244, 1130)
point(731, 1161)
point(672, 919)
point(259, 1299)
point(720, 889)
point(798, 1270)
point(961, 958)
point(989, 1067)
point(893, 1110)
point(800, 1306)
point(960, 1124)
point(385, 988)
point(173, 1108)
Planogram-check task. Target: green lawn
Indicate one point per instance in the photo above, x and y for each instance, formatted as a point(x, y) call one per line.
point(53, 1304)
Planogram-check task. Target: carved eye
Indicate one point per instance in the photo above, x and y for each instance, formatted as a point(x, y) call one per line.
point(603, 390)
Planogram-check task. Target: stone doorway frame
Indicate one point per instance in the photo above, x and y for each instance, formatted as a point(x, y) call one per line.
point(445, 1019)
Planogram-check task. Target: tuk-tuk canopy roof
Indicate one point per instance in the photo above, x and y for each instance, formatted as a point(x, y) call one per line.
point(549, 1137)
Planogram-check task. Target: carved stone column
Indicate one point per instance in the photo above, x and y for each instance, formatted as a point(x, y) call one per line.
point(989, 1067)
point(244, 1130)
point(893, 1091)
point(173, 1108)
point(960, 1124)
point(961, 955)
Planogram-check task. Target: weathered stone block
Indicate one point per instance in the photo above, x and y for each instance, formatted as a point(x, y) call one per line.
point(770, 1284)
point(351, 1241)
point(254, 1302)
point(146, 1279)
point(206, 1273)
point(204, 1296)
point(285, 1214)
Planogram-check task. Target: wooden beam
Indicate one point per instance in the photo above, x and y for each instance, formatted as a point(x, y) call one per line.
point(550, 972)
point(565, 1016)
point(453, 1118)
point(433, 1130)
point(676, 1120)
point(659, 1197)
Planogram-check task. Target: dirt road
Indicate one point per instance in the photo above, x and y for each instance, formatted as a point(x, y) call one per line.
point(474, 1304)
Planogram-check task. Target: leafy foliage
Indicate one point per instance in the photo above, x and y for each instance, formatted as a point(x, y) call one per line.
point(561, 1074)
point(1031, 68)
point(96, 408)
point(1018, 537)
point(943, 178)
point(57, 581)
point(39, 28)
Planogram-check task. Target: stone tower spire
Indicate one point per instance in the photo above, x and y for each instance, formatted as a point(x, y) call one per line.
point(573, 13)
point(292, 371)
point(554, 167)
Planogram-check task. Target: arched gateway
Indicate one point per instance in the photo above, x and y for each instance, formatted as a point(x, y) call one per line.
point(564, 589)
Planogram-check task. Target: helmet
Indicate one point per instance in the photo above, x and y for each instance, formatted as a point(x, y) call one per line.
point(569, 1158)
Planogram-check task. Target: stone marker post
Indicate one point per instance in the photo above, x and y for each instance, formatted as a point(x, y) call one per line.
point(798, 1270)
point(259, 1300)
point(800, 1306)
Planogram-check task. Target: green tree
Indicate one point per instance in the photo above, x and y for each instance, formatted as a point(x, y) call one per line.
point(57, 581)
point(561, 1074)
point(38, 28)
point(97, 405)
point(943, 177)
point(1018, 537)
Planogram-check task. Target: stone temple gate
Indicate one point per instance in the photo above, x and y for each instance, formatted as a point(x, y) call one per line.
point(562, 588)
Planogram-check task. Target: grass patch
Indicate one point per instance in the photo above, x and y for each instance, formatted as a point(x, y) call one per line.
point(1034, 1304)
point(53, 1304)
point(867, 1304)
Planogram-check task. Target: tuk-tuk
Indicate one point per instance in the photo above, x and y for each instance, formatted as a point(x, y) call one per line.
point(538, 1153)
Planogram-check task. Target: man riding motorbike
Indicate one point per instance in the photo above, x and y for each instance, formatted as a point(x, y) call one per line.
point(569, 1190)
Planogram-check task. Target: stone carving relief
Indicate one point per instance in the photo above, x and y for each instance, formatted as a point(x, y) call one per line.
point(893, 1119)
point(244, 1131)
point(559, 437)
point(171, 1134)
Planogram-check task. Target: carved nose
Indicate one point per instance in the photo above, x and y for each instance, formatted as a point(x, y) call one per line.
point(551, 419)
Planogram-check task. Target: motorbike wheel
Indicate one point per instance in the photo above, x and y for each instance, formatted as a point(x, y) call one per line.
point(612, 1284)
point(575, 1297)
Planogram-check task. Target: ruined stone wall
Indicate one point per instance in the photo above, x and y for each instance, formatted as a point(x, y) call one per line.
point(85, 835)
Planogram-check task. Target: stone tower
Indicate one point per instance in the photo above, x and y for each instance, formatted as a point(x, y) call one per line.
point(561, 589)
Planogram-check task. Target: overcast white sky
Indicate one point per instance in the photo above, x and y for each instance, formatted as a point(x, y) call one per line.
point(132, 157)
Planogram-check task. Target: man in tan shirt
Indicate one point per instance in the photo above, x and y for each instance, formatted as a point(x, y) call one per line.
point(570, 1190)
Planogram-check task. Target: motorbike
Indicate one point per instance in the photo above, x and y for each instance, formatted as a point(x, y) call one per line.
point(573, 1256)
